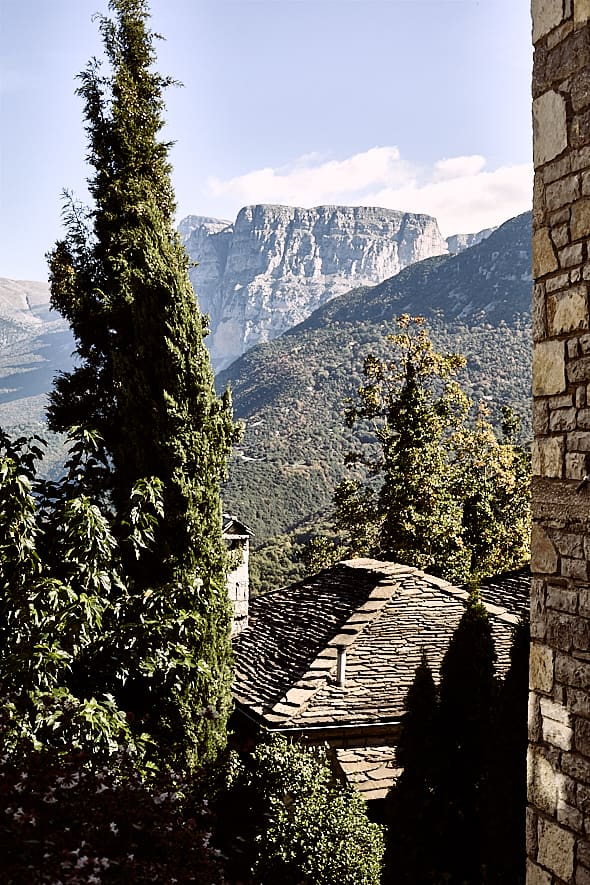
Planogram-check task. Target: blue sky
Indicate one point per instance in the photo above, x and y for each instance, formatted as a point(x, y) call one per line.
point(419, 105)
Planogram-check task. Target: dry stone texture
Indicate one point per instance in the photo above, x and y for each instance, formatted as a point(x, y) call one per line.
point(558, 817)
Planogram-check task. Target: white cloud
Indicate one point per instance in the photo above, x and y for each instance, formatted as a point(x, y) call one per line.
point(460, 192)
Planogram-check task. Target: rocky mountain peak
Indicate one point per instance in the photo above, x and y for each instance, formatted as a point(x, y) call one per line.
point(267, 271)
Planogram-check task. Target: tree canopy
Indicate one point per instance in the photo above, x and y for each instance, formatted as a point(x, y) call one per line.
point(435, 489)
point(128, 548)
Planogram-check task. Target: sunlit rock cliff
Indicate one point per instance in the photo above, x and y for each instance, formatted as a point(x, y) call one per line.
point(273, 266)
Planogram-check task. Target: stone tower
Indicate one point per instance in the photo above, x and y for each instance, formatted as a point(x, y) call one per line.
point(558, 824)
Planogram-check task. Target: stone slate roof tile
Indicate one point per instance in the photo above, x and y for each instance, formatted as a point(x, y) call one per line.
point(286, 658)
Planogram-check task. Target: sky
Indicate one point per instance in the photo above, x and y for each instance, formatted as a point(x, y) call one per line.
point(416, 105)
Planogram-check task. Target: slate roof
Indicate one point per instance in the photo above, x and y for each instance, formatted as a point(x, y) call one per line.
point(385, 613)
point(371, 770)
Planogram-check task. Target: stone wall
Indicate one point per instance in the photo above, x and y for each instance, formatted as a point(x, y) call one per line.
point(558, 822)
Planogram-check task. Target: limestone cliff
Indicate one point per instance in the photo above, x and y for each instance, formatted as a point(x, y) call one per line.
point(267, 271)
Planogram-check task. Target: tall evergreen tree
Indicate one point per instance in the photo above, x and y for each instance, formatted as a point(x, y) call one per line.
point(412, 850)
point(414, 407)
point(143, 379)
point(434, 492)
point(467, 693)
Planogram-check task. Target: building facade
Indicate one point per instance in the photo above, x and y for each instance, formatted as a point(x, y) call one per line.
point(558, 816)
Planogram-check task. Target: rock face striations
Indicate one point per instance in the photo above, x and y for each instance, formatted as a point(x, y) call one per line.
point(267, 271)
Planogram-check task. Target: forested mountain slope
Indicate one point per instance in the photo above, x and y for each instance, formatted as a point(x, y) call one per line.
point(291, 392)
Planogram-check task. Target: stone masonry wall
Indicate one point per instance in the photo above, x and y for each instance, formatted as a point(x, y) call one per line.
point(558, 816)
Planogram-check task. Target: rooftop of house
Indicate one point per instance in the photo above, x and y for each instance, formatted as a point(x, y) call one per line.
point(384, 614)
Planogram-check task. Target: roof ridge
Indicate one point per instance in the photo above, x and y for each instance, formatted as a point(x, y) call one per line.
point(459, 592)
point(322, 666)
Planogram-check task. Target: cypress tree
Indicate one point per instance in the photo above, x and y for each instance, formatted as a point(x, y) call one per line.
point(467, 694)
point(143, 380)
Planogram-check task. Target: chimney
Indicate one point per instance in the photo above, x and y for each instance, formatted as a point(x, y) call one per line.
point(341, 665)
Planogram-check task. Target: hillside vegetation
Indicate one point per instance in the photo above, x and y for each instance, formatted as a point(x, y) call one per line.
point(291, 392)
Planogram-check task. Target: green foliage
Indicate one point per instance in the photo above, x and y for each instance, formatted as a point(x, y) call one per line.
point(295, 824)
point(434, 492)
point(494, 486)
point(290, 391)
point(320, 553)
point(75, 823)
point(143, 382)
point(276, 563)
point(87, 662)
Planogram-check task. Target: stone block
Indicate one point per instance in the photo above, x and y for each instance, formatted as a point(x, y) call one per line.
point(549, 368)
point(567, 790)
point(580, 220)
point(578, 702)
point(544, 257)
point(549, 126)
point(583, 419)
point(578, 371)
point(573, 347)
point(560, 630)
point(575, 465)
point(584, 592)
point(562, 420)
point(547, 457)
point(539, 313)
point(580, 398)
point(540, 417)
point(556, 729)
point(556, 849)
point(568, 311)
point(569, 544)
point(541, 782)
point(561, 599)
point(569, 671)
point(580, 92)
point(581, 11)
point(541, 668)
point(582, 636)
point(570, 256)
point(562, 192)
point(531, 832)
point(535, 875)
point(547, 14)
point(570, 817)
point(574, 568)
point(564, 401)
point(582, 737)
point(560, 236)
point(543, 552)
point(557, 282)
point(557, 169)
point(535, 725)
point(580, 159)
point(582, 875)
point(579, 130)
point(583, 852)
point(577, 767)
point(578, 442)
